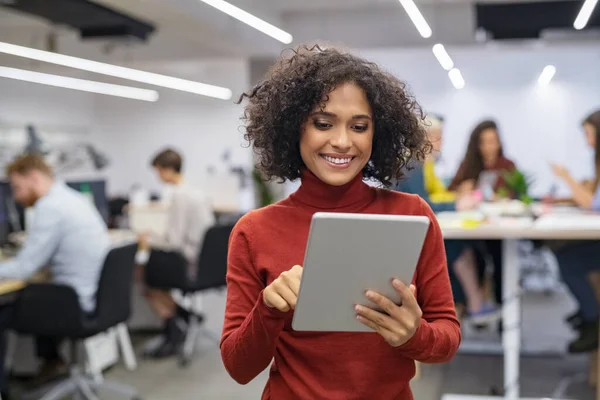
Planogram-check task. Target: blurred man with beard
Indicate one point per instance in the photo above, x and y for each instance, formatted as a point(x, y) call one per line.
point(67, 235)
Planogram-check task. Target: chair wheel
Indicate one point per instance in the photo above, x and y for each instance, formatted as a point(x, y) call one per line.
point(184, 362)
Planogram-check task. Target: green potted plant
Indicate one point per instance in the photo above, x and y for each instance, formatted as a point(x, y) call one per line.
point(517, 185)
point(264, 194)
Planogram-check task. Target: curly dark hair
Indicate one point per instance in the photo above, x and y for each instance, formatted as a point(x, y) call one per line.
point(280, 104)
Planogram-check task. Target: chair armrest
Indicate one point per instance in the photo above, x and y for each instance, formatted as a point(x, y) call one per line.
point(48, 309)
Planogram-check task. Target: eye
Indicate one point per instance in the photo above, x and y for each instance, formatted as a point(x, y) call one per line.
point(322, 125)
point(360, 128)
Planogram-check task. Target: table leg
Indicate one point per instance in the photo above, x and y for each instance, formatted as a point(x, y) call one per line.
point(511, 317)
point(597, 361)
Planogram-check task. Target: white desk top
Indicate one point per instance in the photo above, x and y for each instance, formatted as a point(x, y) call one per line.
point(548, 227)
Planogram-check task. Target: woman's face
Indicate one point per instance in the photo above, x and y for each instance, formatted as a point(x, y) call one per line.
point(590, 135)
point(336, 142)
point(489, 144)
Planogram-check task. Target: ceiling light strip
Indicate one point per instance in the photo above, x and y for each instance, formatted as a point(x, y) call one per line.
point(439, 51)
point(416, 17)
point(456, 78)
point(584, 14)
point(79, 84)
point(250, 20)
point(547, 74)
point(117, 71)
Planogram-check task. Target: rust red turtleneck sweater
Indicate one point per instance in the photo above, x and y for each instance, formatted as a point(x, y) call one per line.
point(320, 365)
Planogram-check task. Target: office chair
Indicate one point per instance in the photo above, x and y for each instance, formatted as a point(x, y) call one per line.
point(211, 274)
point(54, 310)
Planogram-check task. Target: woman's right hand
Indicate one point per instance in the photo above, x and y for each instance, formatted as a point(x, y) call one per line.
point(282, 293)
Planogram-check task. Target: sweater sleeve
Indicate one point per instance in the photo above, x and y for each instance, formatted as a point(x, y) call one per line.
point(438, 336)
point(251, 329)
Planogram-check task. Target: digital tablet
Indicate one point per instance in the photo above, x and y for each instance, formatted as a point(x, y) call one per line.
point(347, 254)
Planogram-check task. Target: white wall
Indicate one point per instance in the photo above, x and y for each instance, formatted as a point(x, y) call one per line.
point(538, 125)
point(48, 109)
point(130, 132)
point(201, 128)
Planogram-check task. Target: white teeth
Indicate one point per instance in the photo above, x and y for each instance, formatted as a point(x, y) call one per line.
point(337, 160)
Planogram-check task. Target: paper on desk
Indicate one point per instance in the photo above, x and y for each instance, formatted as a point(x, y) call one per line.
point(568, 221)
point(455, 220)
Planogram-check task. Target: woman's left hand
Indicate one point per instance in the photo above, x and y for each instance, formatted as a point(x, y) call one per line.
point(398, 323)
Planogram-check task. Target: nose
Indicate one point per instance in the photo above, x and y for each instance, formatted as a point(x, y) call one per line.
point(341, 139)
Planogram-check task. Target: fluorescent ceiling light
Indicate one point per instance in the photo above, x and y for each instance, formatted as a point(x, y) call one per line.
point(547, 75)
point(443, 57)
point(416, 17)
point(584, 14)
point(117, 71)
point(456, 78)
point(251, 20)
point(79, 84)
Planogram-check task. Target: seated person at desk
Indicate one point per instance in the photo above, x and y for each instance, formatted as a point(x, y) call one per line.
point(484, 162)
point(422, 180)
point(579, 259)
point(482, 169)
point(173, 255)
point(67, 235)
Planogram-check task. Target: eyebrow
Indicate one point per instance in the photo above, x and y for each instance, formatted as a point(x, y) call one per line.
point(332, 115)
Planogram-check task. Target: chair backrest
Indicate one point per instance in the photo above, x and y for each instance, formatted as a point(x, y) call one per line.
point(212, 262)
point(113, 299)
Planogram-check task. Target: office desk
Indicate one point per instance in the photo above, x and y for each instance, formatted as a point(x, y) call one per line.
point(510, 232)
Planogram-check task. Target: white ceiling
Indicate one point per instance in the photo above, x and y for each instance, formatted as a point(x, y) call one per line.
point(191, 29)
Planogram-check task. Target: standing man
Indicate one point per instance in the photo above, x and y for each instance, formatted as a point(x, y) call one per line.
point(174, 255)
point(67, 235)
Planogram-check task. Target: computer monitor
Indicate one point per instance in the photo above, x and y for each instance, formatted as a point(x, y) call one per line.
point(97, 189)
point(12, 215)
point(3, 216)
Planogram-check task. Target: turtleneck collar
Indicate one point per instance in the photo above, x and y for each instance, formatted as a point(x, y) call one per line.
point(315, 193)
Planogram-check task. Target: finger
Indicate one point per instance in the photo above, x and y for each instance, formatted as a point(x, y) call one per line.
point(383, 302)
point(276, 301)
point(376, 317)
point(296, 271)
point(407, 296)
point(376, 328)
point(413, 289)
point(292, 280)
point(288, 295)
point(386, 334)
point(294, 286)
point(369, 323)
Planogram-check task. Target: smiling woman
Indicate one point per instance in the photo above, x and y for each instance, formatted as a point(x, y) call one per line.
point(332, 119)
